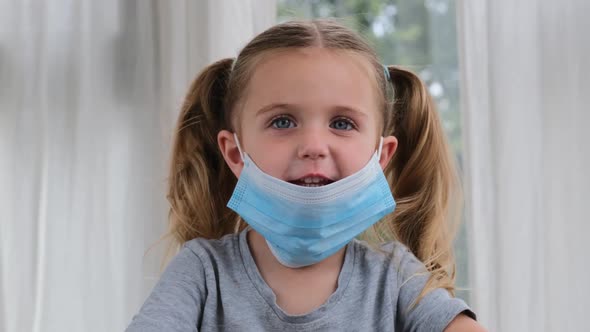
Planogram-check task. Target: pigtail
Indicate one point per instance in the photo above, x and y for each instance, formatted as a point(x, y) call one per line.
point(422, 174)
point(200, 182)
point(423, 180)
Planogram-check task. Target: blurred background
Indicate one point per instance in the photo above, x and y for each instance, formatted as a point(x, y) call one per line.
point(90, 90)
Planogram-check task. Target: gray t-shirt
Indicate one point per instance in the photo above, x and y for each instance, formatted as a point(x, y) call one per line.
point(214, 285)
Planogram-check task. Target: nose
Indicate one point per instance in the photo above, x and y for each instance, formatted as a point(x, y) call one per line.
point(312, 145)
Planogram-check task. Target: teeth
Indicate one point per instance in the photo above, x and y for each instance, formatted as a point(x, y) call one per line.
point(313, 179)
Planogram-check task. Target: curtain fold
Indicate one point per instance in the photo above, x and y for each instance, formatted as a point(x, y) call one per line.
point(525, 69)
point(89, 92)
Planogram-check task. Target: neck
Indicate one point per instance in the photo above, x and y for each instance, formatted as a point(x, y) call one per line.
point(301, 290)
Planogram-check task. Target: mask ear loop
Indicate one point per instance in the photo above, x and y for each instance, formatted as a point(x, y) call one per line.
point(380, 148)
point(239, 148)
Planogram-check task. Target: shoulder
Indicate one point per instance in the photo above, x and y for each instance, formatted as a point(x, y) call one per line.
point(215, 256)
point(212, 246)
point(389, 265)
point(393, 256)
point(176, 301)
point(407, 276)
point(213, 250)
point(383, 251)
point(198, 262)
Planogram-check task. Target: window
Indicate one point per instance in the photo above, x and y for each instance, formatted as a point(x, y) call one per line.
point(419, 35)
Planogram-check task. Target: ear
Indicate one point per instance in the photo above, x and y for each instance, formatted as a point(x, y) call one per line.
point(229, 150)
point(388, 150)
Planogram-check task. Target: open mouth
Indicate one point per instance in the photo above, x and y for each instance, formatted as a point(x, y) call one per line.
point(312, 181)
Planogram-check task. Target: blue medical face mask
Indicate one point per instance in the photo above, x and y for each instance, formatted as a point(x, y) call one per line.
point(305, 225)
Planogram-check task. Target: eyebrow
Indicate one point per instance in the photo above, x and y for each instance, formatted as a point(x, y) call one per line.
point(286, 106)
point(273, 106)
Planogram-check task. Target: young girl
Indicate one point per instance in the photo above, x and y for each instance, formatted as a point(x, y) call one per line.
point(282, 157)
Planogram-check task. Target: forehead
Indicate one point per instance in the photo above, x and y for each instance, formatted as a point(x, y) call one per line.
point(313, 77)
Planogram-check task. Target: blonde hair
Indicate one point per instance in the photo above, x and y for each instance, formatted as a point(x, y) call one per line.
point(422, 174)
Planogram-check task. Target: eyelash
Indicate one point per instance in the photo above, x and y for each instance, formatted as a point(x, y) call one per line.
point(340, 118)
point(280, 117)
point(347, 119)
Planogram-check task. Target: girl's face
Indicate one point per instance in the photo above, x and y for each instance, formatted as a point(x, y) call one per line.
point(309, 115)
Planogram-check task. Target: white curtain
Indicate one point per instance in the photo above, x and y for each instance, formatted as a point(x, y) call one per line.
point(89, 92)
point(525, 88)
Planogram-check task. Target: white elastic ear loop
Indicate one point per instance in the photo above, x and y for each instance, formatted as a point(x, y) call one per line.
point(380, 148)
point(239, 148)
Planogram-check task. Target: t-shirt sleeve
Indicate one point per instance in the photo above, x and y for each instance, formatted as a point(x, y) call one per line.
point(176, 302)
point(435, 310)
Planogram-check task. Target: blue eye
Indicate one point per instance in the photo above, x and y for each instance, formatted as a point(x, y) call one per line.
point(342, 124)
point(282, 123)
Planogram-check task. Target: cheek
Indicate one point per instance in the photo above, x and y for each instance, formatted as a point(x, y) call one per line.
point(272, 163)
point(353, 162)
point(273, 167)
point(356, 163)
